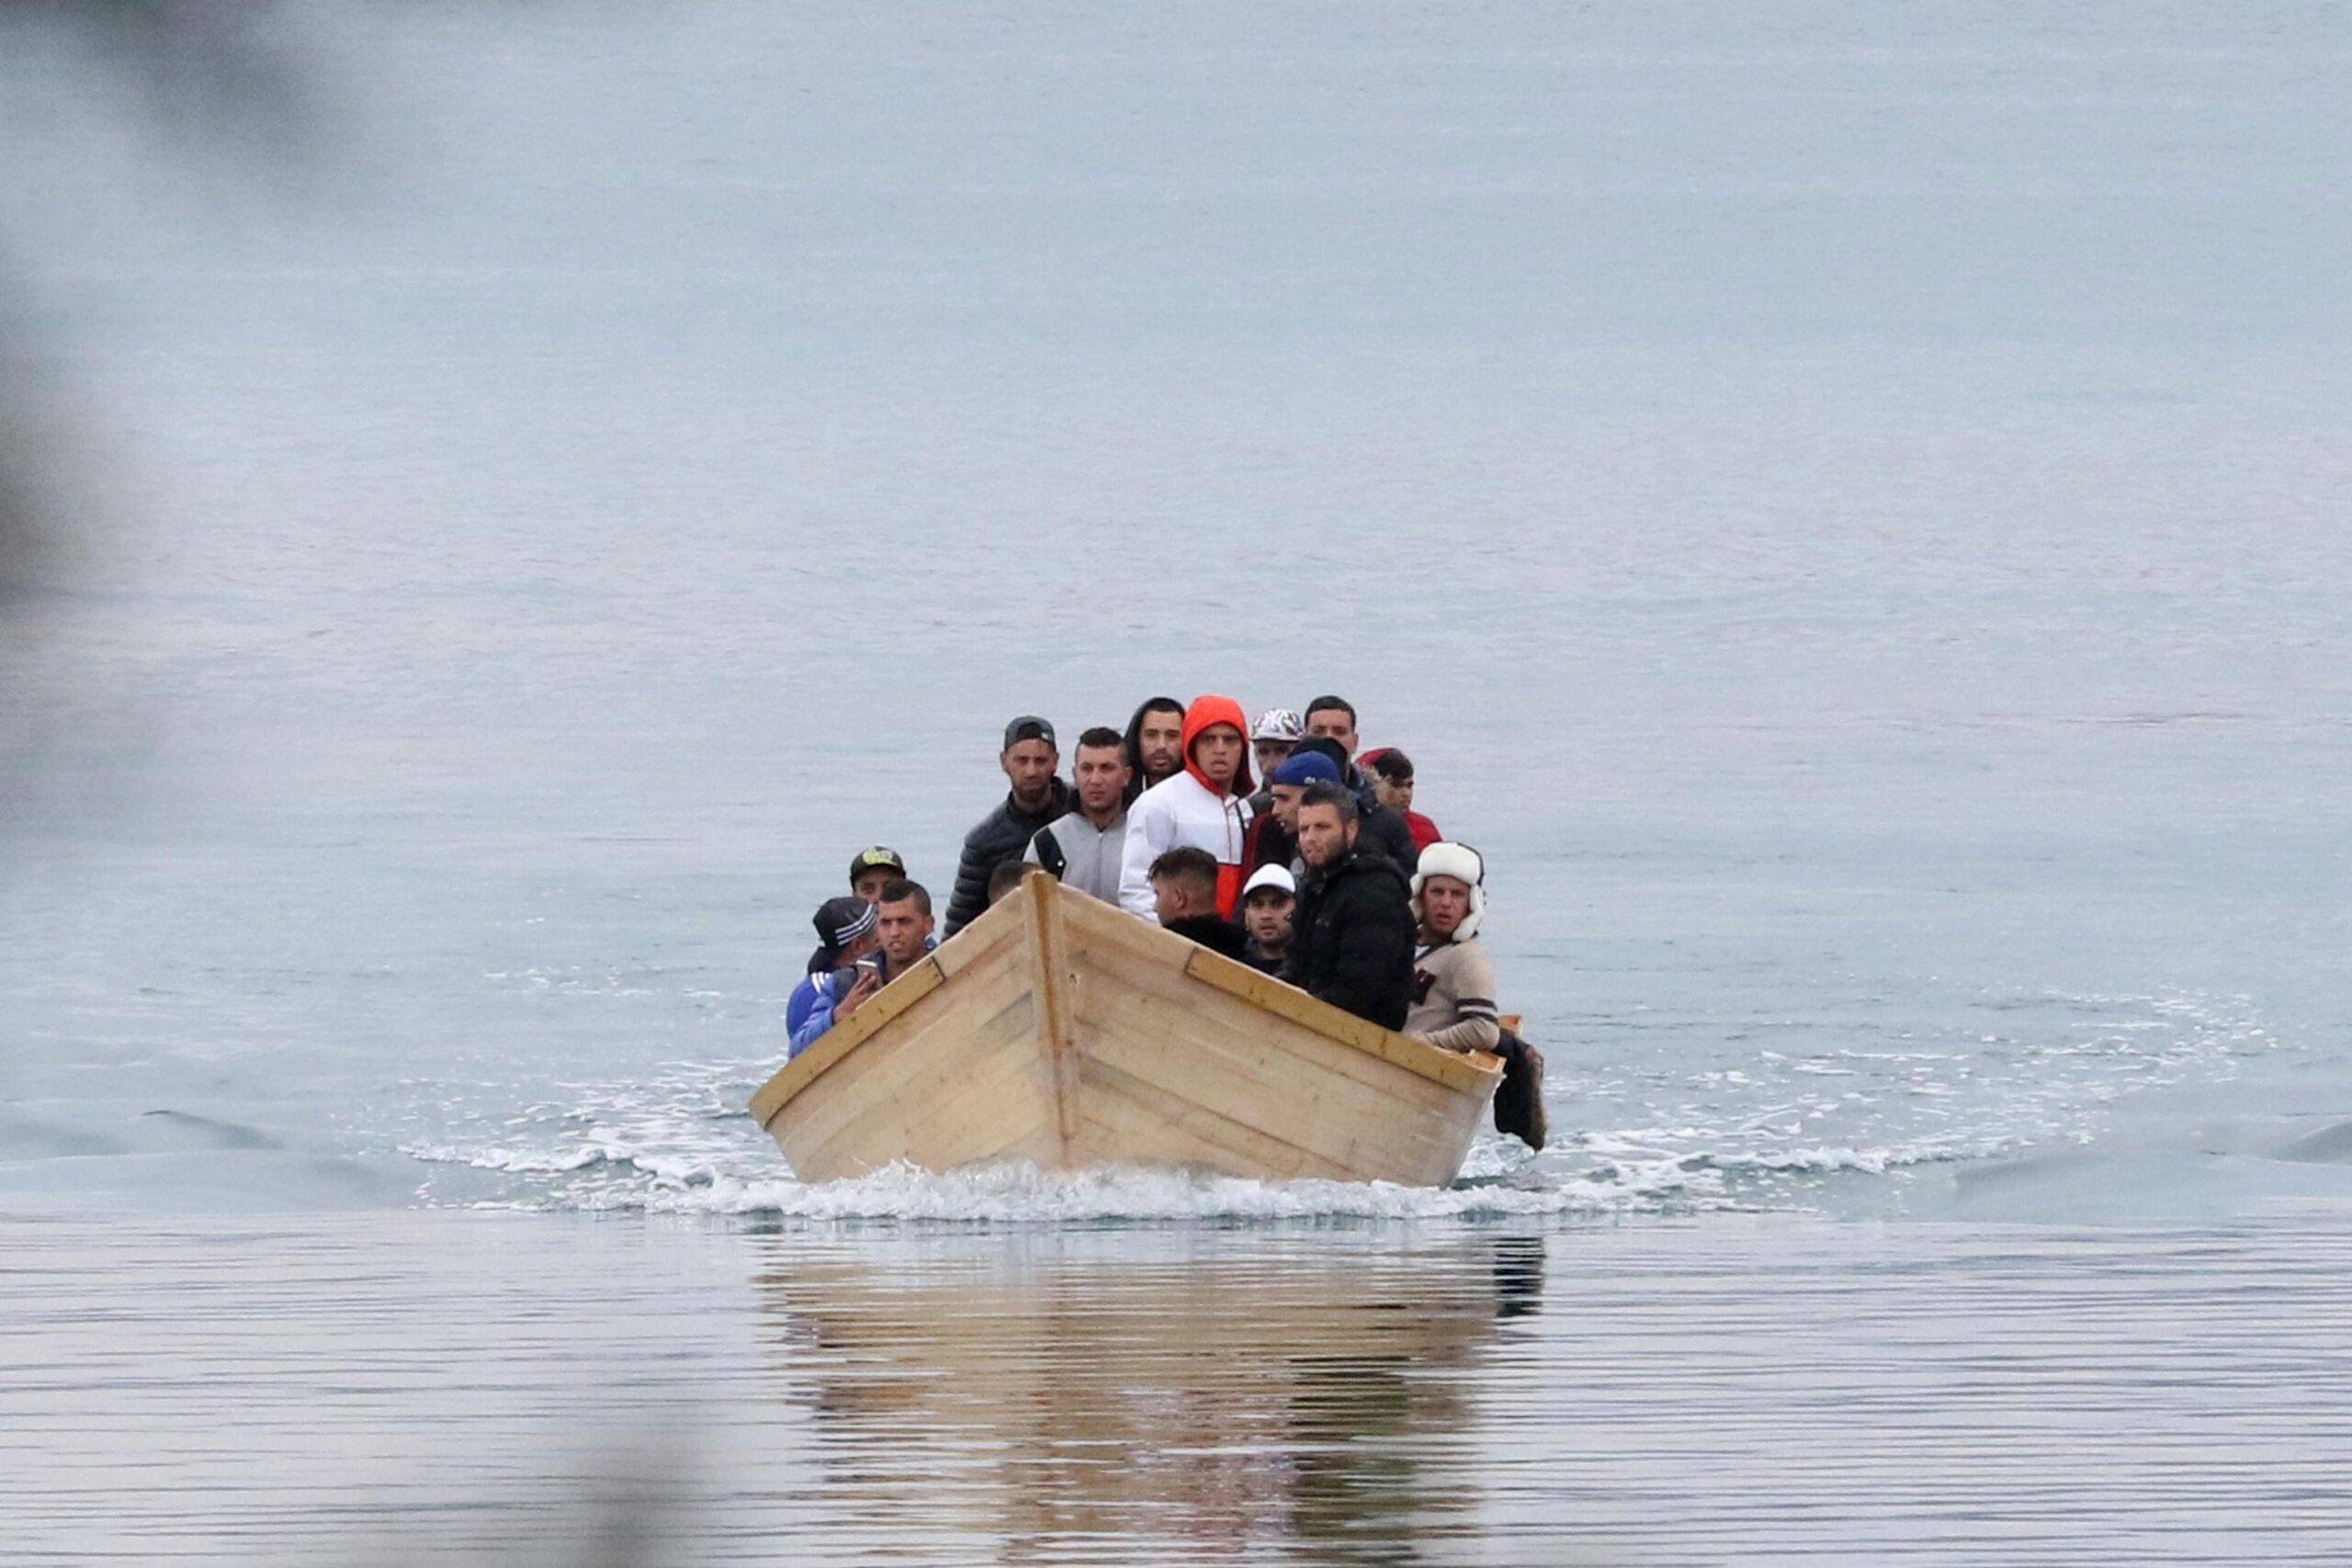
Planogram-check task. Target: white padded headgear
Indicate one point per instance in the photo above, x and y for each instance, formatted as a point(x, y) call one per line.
point(1463, 863)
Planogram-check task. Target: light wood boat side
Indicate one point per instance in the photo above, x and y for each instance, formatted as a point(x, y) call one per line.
point(1061, 1029)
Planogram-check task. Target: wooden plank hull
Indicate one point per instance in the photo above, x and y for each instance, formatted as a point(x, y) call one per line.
point(1059, 1030)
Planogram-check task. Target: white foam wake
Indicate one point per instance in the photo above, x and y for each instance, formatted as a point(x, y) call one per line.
point(1022, 1194)
point(1787, 1127)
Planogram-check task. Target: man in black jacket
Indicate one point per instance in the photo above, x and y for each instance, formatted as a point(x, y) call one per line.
point(1183, 895)
point(1352, 941)
point(1029, 759)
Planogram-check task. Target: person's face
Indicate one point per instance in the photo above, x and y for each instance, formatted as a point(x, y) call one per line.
point(862, 946)
point(1286, 806)
point(1397, 794)
point(903, 928)
point(870, 882)
point(1268, 917)
point(1161, 741)
point(1218, 752)
point(1335, 723)
point(1322, 837)
point(1267, 755)
point(1029, 765)
point(1101, 774)
point(1446, 904)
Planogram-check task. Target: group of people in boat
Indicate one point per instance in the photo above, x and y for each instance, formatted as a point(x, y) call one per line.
point(1275, 843)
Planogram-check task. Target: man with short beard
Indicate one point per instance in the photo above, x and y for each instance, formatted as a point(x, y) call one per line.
point(1269, 900)
point(1084, 848)
point(1273, 832)
point(1155, 741)
point(1029, 759)
point(1352, 942)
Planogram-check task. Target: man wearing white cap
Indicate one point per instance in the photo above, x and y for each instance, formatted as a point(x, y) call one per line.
point(1267, 899)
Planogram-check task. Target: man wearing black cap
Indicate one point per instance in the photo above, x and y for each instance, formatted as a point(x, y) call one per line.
point(874, 870)
point(847, 930)
point(1029, 759)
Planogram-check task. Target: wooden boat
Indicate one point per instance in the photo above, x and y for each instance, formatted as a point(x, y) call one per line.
point(1063, 1030)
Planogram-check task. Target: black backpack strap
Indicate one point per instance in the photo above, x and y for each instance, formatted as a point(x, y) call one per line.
point(1049, 853)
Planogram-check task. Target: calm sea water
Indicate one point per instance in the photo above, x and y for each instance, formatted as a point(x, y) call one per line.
point(1846, 508)
point(386, 1389)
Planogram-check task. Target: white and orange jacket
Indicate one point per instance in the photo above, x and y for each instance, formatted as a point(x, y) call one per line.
point(1188, 809)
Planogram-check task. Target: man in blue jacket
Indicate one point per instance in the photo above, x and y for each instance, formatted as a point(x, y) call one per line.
point(847, 930)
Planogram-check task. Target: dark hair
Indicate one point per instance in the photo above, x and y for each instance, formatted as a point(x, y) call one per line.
point(1187, 862)
point(1134, 740)
point(1005, 878)
point(1323, 792)
point(1392, 765)
point(1327, 701)
point(898, 890)
point(1101, 735)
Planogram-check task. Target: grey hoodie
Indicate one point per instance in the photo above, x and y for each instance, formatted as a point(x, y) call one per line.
point(1082, 856)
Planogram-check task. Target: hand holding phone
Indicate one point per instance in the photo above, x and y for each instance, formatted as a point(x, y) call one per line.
point(866, 979)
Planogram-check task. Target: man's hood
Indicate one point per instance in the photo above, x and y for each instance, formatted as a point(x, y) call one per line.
point(1205, 714)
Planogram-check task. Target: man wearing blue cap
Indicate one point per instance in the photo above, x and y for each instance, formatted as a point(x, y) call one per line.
point(1273, 836)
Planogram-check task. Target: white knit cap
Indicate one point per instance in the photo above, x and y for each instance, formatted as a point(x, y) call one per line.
point(1463, 863)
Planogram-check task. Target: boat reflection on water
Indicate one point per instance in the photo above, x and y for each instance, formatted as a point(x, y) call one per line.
point(1205, 1394)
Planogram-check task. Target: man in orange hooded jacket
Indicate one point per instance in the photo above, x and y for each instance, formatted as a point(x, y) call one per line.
point(1205, 806)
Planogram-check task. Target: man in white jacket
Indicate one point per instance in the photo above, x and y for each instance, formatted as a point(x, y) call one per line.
point(1207, 806)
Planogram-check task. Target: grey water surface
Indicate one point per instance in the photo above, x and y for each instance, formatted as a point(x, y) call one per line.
point(405, 1388)
point(1846, 506)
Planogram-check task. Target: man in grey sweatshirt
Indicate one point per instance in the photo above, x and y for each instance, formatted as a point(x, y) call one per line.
point(1084, 847)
